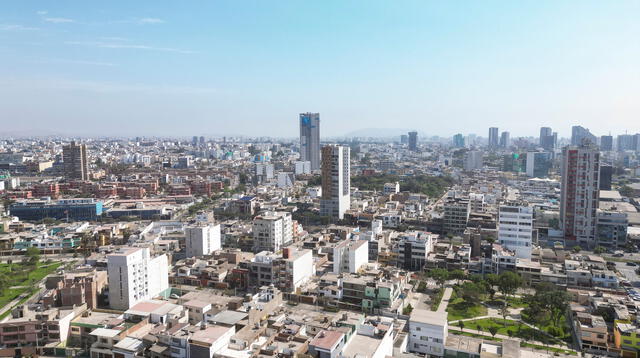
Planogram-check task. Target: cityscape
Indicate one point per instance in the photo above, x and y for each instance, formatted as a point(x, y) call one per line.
point(320, 179)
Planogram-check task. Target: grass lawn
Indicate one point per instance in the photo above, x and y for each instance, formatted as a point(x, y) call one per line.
point(459, 309)
point(474, 335)
point(550, 349)
point(509, 328)
point(514, 302)
point(20, 275)
point(436, 299)
point(564, 329)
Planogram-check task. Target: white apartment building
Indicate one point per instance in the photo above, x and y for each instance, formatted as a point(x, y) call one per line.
point(336, 181)
point(202, 239)
point(135, 276)
point(515, 229)
point(391, 188)
point(427, 332)
point(287, 271)
point(413, 248)
point(302, 167)
point(285, 180)
point(350, 256)
point(272, 231)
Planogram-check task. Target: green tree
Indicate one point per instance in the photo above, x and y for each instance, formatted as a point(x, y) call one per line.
point(407, 310)
point(493, 330)
point(457, 275)
point(471, 292)
point(576, 249)
point(504, 311)
point(508, 283)
point(439, 275)
point(599, 250)
point(33, 253)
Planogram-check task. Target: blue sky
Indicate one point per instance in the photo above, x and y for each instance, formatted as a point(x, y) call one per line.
point(249, 67)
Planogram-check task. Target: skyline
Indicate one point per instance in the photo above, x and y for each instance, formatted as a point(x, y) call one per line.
point(227, 68)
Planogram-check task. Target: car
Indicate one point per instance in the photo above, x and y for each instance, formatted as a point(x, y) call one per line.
point(631, 264)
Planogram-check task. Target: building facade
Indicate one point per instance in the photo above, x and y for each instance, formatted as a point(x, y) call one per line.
point(580, 193)
point(336, 181)
point(310, 139)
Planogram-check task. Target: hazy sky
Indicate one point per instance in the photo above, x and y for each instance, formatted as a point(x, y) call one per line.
point(249, 67)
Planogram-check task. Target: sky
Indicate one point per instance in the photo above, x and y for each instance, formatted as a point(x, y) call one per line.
point(213, 68)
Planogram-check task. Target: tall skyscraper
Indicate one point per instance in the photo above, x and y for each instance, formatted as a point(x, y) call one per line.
point(545, 132)
point(626, 142)
point(458, 140)
point(580, 194)
point(493, 137)
point(413, 141)
point(579, 134)
point(310, 139)
point(548, 139)
point(75, 161)
point(606, 143)
point(538, 164)
point(505, 139)
point(336, 181)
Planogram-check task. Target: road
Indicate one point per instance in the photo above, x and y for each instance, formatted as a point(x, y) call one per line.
point(629, 273)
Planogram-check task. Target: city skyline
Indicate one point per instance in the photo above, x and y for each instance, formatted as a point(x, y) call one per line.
point(229, 69)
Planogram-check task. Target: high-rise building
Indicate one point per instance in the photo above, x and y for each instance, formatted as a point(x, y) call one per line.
point(336, 181)
point(413, 141)
point(579, 134)
point(413, 248)
point(194, 141)
point(75, 161)
point(606, 175)
point(606, 143)
point(458, 140)
point(202, 239)
point(538, 164)
point(548, 139)
point(545, 132)
point(135, 276)
point(580, 193)
point(350, 256)
point(404, 139)
point(473, 160)
point(456, 215)
point(504, 139)
point(515, 229)
point(310, 139)
point(272, 231)
point(626, 142)
point(493, 137)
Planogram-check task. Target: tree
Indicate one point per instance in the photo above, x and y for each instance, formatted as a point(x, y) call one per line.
point(33, 253)
point(599, 250)
point(504, 311)
point(439, 275)
point(576, 249)
point(493, 330)
point(508, 283)
point(407, 310)
point(457, 275)
point(510, 332)
point(471, 292)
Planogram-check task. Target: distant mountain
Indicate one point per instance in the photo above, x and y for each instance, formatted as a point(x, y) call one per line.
point(378, 132)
